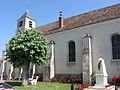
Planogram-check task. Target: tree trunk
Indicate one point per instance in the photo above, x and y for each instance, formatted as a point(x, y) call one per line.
point(25, 74)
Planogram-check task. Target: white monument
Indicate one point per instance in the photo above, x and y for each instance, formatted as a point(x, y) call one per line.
point(101, 77)
point(101, 73)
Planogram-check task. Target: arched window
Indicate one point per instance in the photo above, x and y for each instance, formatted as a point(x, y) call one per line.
point(72, 54)
point(116, 46)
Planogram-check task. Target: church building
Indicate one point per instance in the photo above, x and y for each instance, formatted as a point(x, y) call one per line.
point(78, 42)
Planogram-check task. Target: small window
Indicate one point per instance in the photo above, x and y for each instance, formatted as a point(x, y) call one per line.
point(116, 46)
point(72, 54)
point(21, 24)
point(30, 24)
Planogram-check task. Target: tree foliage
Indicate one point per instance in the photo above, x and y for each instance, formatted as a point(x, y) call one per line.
point(27, 46)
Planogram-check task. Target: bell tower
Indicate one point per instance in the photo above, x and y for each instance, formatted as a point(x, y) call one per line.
point(25, 22)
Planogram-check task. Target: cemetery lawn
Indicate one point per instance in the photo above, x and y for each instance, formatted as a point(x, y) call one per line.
point(40, 86)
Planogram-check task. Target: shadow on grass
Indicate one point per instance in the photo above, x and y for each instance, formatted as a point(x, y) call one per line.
point(14, 83)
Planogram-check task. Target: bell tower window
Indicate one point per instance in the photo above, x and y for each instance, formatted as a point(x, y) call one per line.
point(30, 24)
point(21, 24)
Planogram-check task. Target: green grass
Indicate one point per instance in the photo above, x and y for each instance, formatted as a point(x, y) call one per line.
point(40, 86)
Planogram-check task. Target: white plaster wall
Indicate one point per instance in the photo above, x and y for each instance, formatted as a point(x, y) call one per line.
point(101, 47)
point(39, 69)
point(27, 23)
point(61, 54)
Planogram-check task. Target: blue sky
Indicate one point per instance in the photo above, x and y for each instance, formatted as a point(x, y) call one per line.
point(43, 11)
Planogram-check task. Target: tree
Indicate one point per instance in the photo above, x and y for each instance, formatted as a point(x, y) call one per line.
point(28, 46)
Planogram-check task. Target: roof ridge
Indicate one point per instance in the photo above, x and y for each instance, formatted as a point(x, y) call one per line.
point(92, 11)
point(26, 15)
point(95, 16)
point(78, 15)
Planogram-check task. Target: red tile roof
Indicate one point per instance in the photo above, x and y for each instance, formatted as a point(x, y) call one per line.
point(96, 16)
point(1, 59)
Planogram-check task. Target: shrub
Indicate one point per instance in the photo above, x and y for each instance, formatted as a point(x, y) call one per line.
point(67, 79)
point(93, 79)
point(116, 80)
point(54, 79)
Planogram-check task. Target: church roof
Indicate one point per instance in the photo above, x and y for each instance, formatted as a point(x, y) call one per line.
point(92, 17)
point(26, 15)
point(1, 59)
